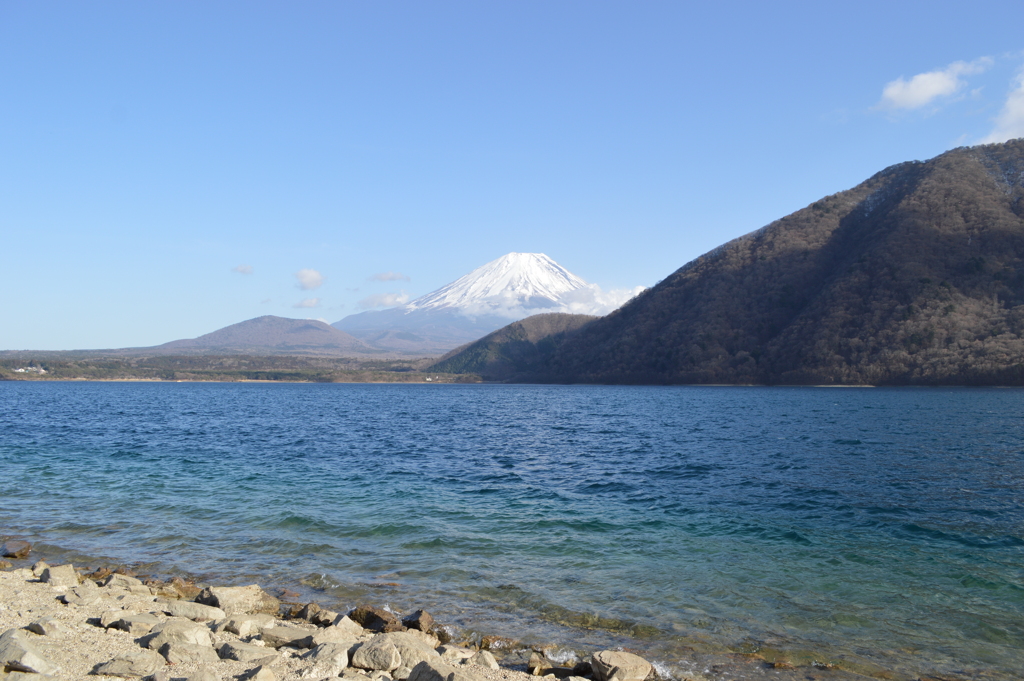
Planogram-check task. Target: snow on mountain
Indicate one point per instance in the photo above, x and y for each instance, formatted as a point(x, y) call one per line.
point(513, 281)
point(514, 286)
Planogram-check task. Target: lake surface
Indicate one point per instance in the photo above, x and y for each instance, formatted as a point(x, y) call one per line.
point(875, 529)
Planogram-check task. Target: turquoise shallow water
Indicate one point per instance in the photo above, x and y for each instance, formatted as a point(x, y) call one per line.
point(878, 529)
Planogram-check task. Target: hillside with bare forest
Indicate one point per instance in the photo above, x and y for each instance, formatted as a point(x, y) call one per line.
point(915, 276)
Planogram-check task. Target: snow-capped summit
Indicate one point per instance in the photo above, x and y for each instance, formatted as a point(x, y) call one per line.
point(527, 280)
point(508, 289)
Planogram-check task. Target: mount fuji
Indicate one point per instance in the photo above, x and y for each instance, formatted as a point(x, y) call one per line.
point(514, 286)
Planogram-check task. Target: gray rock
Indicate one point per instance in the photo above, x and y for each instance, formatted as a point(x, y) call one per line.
point(354, 675)
point(136, 624)
point(60, 575)
point(178, 631)
point(123, 581)
point(6, 564)
point(48, 626)
point(20, 651)
point(413, 647)
point(246, 652)
point(84, 594)
point(16, 548)
point(135, 663)
point(484, 658)
point(324, 618)
point(245, 625)
point(239, 600)
point(346, 624)
point(329, 654)
point(377, 653)
point(614, 665)
point(108, 618)
point(380, 676)
point(333, 634)
point(275, 637)
point(401, 674)
point(25, 676)
point(196, 612)
point(186, 653)
point(38, 567)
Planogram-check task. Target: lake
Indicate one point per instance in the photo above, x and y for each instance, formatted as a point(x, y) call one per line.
point(873, 529)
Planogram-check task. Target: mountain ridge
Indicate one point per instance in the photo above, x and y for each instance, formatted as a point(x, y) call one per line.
point(514, 286)
point(914, 276)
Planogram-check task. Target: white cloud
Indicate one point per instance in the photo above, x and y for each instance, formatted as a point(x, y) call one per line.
point(309, 279)
point(590, 300)
point(924, 88)
point(383, 300)
point(308, 302)
point(1010, 121)
point(242, 269)
point(389, 276)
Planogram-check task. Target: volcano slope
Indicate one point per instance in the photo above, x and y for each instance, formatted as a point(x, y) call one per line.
point(916, 276)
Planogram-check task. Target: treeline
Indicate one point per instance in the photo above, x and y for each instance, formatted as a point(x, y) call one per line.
point(220, 368)
point(914, 277)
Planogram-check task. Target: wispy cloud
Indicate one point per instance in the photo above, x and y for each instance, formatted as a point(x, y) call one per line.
point(307, 303)
point(389, 276)
point(591, 299)
point(1010, 121)
point(925, 88)
point(383, 300)
point(242, 269)
point(309, 279)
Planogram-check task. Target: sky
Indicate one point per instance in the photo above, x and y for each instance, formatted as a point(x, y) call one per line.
point(170, 168)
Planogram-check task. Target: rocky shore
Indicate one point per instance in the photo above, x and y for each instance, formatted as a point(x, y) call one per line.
point(59, 622)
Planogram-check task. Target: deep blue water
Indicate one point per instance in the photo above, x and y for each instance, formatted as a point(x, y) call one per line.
point(873, 528)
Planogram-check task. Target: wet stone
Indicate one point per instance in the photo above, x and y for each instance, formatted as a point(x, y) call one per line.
point(16, 548)
point(375, 619)
point(420, 620)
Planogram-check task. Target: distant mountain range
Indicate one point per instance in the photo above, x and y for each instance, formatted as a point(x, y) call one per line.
point(270, 335)
point(512, 287)
point(915, 276)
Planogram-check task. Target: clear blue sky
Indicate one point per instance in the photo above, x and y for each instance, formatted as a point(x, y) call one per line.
point(167, 168)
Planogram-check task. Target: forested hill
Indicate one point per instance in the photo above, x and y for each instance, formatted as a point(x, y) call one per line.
point(915, 276)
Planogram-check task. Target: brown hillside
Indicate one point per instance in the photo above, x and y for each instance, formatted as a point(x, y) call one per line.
point(914, 276)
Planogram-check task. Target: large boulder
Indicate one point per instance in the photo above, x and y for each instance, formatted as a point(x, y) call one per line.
point(615, 665)
point(375, 619)
point(293, 637)
point(484, 658)
point(132, 664)
point(333, 634)
point(245, 625)
point(16, 548)
point(239, 600)
point(247, 652)
point(348, 625)
point(86, 593)
point(136, 624)
point(123, 581)
point(20, 651)
point(186, 653)
point(178, 631)
point(196, 612)
point(60, 575)
point(377, 653)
